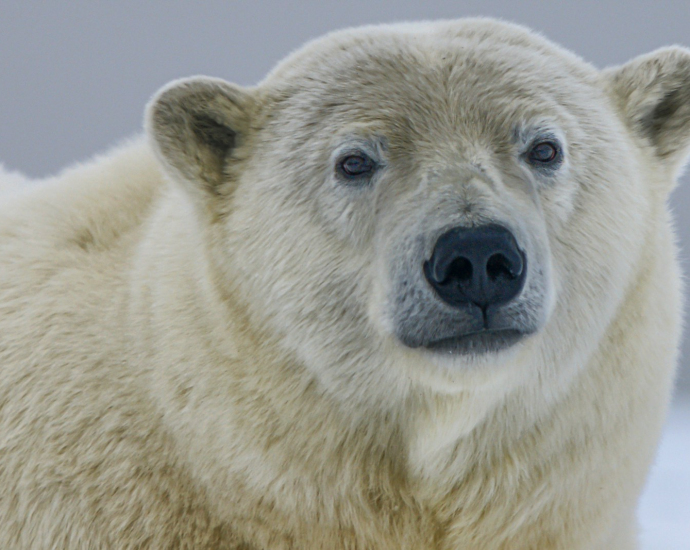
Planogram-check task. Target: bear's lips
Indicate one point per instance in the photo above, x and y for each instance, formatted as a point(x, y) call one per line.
point(477, 342)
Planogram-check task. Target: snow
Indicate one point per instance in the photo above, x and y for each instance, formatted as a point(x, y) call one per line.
point(664, 511)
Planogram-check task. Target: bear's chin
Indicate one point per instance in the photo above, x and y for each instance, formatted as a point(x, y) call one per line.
point(479, 343)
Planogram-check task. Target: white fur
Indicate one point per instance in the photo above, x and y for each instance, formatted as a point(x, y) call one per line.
point(197, 344)
point(11, 181)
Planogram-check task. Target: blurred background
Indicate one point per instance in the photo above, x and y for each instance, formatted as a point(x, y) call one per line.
point(75, 76)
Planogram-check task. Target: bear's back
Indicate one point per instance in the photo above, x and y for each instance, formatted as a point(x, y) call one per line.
point(83, 451)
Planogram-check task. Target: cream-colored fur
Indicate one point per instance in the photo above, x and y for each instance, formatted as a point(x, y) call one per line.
point(11, 181)
point(197, 338)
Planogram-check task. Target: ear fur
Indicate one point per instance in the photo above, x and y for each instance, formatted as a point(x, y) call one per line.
point(195, 125)
point(653, 94)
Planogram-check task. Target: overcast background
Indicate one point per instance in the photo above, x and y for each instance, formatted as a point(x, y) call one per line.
point(75, 76)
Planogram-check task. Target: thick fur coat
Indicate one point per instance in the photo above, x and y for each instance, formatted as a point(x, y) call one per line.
point(217, 338)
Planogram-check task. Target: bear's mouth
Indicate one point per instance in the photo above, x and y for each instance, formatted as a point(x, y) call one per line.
point(478, 342)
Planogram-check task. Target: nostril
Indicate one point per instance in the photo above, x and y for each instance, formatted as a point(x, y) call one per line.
point(498, 267)
point(460, 270)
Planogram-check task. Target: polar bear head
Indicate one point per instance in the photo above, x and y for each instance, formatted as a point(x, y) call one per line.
point(448, 204)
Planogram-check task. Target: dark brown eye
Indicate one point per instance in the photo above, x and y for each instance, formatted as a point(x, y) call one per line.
point(544, 152)
point(356, 165)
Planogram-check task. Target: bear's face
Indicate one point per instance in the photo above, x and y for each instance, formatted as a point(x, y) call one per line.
point(396, 166)
point(433, 202)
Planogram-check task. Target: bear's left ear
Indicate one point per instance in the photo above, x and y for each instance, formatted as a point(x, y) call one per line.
point(195, 125)
point(653, 94)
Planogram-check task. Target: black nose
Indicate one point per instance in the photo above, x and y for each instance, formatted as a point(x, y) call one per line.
point(478, 265)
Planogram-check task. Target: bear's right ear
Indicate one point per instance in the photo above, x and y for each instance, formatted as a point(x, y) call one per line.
point(653, 94)
point(195, 125)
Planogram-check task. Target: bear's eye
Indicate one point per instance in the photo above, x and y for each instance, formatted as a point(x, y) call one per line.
point(355, 165)
point(544, 152)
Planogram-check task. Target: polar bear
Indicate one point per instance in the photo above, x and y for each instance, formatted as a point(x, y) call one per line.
point(417, 289)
